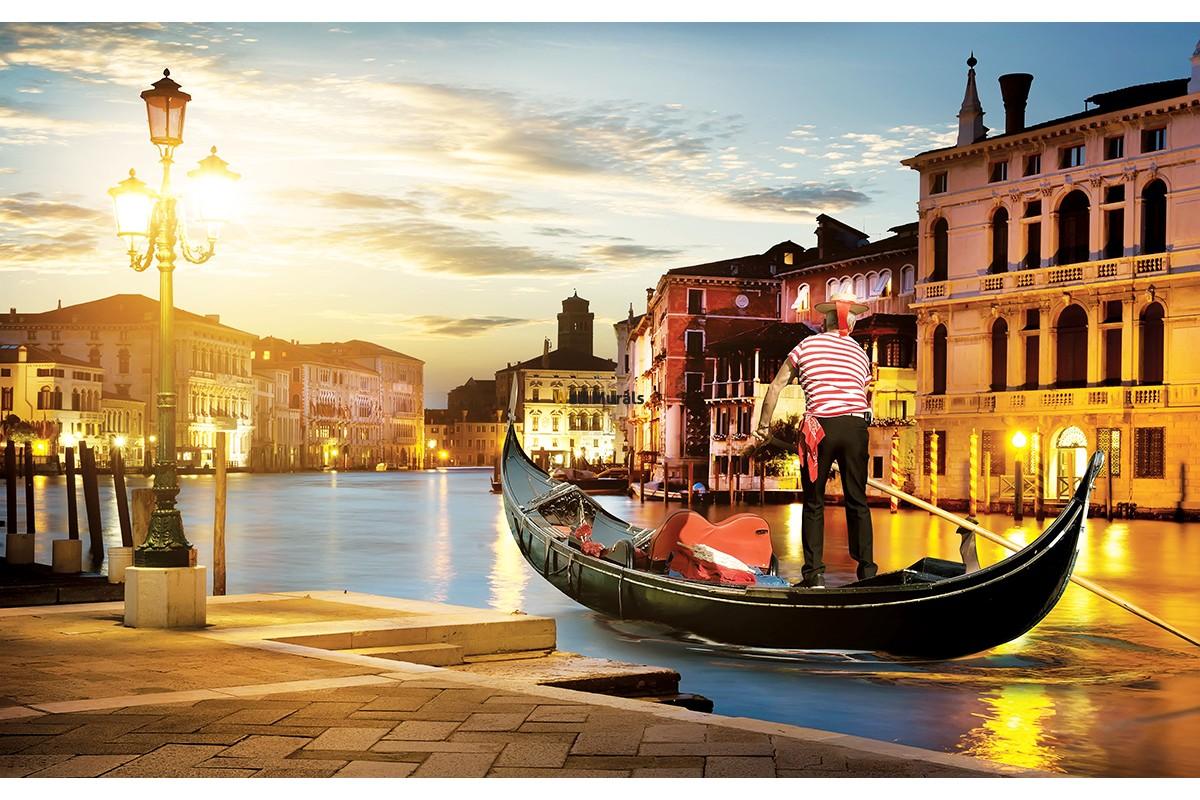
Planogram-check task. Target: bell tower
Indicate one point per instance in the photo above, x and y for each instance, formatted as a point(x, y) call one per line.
point(575, 325)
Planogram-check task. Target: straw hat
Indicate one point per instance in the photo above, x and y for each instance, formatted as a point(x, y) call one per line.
point(842, 295)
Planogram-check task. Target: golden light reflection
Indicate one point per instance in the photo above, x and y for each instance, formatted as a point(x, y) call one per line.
point(509, 573)
point(443, 567)
point(795, 536)
point(1013, 730)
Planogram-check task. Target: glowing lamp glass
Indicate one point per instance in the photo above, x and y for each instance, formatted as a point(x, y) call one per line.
point(118, 441)
point(211, 192)
point(1019, 440)
point(133, 206)
point(165, 107)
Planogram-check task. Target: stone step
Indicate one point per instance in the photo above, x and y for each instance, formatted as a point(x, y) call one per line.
point(477, 633)
point(431, 655)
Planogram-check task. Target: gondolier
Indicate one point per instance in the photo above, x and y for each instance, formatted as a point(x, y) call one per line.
point(836, 377)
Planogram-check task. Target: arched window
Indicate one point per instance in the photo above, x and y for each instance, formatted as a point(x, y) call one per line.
point(56, 402)
point(907, 279)
point(123, 361)
point(1154, 217)
point(860, 287)
point(1151, 338)
point(802, 302)
point(883, 284)
point(941, 250)
point(847, 284)
point(999, 355)
point(596, 422)
point(831, 288)
point(1072, 350)
point(75, 400)
point(1073, 229)
point(939, 360)
point(45, 397)
point(999, 242)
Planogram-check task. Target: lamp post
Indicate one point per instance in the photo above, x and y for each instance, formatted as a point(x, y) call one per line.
point(1019, 440)
point(430, 447)
point(149, 219)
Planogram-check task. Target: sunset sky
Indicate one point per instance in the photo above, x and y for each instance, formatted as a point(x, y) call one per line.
point(439, 188)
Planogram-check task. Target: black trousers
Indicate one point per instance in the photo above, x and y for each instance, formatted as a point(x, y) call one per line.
point(846, 443)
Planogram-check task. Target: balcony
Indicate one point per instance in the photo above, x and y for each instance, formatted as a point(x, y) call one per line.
point(1089, 399)
point(1087, 273)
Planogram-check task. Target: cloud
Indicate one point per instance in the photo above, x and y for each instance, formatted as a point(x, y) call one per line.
point(349, 201)
point(31, 209)
point(435, 325)
point(20, 125)
point(436, 248)
point(623, 253)
point(44, 254)
point(807, 199)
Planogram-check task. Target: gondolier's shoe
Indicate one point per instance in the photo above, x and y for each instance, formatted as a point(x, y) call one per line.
point(813, 582)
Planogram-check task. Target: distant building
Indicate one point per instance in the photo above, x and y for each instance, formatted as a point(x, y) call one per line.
point(339, 404)
point(119, 334)
point(278, 434)
point(474, 400)
point(402, 397)
point(566, 399)
point(1058, 293)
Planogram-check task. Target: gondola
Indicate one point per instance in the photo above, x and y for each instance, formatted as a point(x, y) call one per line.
point(932, 609)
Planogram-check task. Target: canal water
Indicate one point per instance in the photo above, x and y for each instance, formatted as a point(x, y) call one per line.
point(1091, 690)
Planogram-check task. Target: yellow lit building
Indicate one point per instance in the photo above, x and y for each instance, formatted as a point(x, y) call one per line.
point(1058, 292)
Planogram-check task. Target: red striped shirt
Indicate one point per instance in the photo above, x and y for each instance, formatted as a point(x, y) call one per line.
point(834, 373)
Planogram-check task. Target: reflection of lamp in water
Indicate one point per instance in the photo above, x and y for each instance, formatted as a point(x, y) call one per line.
point(1019, 440)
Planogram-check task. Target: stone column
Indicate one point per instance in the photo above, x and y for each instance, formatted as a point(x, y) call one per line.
point(1016, 236)
point(1046, 365)
point(1096, 226)
point(1049, 228)
point(1095, 312)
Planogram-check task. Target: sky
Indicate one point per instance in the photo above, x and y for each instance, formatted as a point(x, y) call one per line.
point(440, 188)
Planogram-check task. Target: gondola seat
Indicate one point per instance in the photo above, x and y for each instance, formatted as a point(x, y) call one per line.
point(746, 537)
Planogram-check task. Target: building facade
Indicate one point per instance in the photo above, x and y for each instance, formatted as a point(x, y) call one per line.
point(566, 399)
point(119, 334)
point(1058, 293)
point(278, 438)
point(401, 397)
point(339, 404)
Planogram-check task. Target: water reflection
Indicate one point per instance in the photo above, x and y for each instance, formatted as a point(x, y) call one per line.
point(1013, 730)
point(509, 572)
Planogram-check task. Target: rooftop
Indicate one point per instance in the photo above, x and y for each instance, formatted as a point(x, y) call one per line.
point(287, 352)
point(118, 309)
point(358, 347)
point(10, 354)
point(566, 360)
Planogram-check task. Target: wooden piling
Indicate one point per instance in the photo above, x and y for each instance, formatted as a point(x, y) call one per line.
point(219, 519)
point(641, 479)
point(736, 496)
point(894, 502)
point(691, 476)
point(10, 485)
point(91, 501)
point(987, 484)
point(118, 475)
point(30, 526)
point(72, 500)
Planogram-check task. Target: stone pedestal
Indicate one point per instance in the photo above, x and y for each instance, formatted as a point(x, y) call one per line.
point(119, 558)
point(18, 548)
point(172, 597)
point(67, 558)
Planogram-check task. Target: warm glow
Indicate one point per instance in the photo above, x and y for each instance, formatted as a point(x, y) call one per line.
point(40, 447)
point(334, 452)
point(133, 205)
point(443, 455)
point(431, 444)
point(67, 440)
point(153, 438)
point(118, 441)
point(558, 459)
point(1019, 440)
point(211, 193)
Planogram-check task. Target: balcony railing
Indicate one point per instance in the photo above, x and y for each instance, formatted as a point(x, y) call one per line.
point(1112, 269)
point(1096, 398)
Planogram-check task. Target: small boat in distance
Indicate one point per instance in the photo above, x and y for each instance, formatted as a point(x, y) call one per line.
point(932, 609)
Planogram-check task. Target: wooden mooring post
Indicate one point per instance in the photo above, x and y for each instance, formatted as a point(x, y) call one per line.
point(691, 477)
point(10, 486)
point(30, 526)
point(72, 500)
point(219, 519)
point(91, 501)
point(143, 507)
point(118, 475)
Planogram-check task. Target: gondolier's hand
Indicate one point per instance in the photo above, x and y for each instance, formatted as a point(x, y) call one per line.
point(763, 434)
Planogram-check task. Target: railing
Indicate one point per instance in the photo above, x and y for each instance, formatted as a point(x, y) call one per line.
point(1099, 398)
point(1047, 277)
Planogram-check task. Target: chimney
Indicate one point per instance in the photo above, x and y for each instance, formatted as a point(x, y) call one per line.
point(213, 318)
point(546, 353)
point(1014, 88)
point(22, 353)
point(60, 304)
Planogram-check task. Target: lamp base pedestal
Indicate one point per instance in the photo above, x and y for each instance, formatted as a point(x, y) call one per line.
point(67, 556)
point(165, 597)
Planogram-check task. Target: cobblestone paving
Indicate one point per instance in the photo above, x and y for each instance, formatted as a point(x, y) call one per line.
point(418, 728)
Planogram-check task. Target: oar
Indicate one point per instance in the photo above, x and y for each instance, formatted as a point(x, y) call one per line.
point(1006, 543)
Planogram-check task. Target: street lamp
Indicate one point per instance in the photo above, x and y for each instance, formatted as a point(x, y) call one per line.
point(1019, 440)
point(430, 446)
point(146, 218)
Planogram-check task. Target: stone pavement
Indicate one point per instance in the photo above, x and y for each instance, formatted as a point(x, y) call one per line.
point(80, 695)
